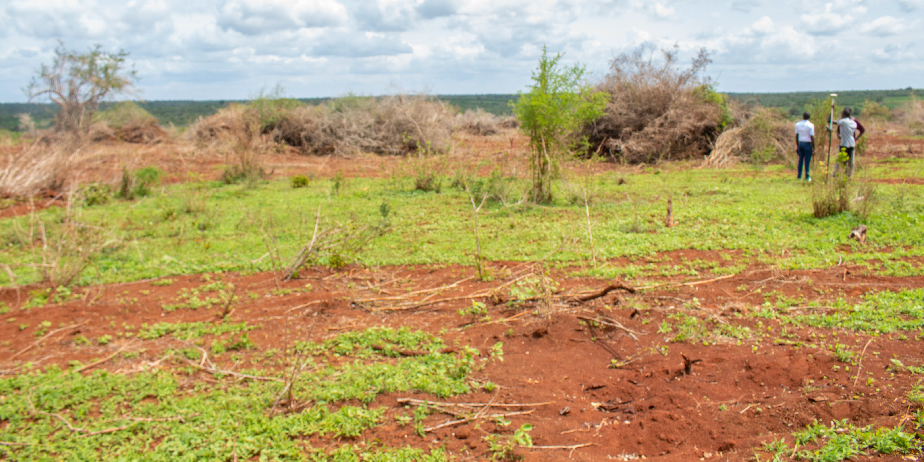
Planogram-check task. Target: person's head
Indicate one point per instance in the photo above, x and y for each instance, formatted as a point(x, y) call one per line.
point(846, 112)
point(806, 116)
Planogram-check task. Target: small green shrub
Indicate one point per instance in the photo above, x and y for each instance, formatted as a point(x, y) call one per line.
point(95, 194)
point(299, 181)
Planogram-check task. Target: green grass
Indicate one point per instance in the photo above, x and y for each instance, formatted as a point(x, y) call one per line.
point(154, 416)
point(208, 227)
point(880, 312)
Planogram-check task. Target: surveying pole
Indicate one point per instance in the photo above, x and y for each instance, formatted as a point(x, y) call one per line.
point(830, 135)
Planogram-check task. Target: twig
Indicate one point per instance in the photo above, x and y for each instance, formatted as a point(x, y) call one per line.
point(302, 256)
point(860, 363)
point(4, 443)
point(107, 358)
point(45, 337)
point(420, 402)
point(602, 293)
point(576, 446)
point(213, 371)
point(590, 230)
point(462, 421)
point(610, 322)
point(694, 283)
point(416, 292)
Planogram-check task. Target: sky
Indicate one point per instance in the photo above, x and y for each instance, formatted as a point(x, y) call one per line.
point(235, 49)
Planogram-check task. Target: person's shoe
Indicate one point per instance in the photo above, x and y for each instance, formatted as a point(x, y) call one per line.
point(808, 180)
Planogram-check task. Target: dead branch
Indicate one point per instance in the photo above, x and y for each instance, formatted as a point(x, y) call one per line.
point(107, 358)
point(608, 321)
point(462, 421)
point(305, 253)
point(603, 293)
point(45, 337)
point(420, 402)
point(216, 371)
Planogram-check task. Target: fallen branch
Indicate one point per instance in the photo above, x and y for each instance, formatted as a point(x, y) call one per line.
point(602, 293)
point(416, 292)
point(45, 337)
point(101, 361)
point(607, 321)
point(462, 421)
point(860, 362)
point(216, 371)
point(576, 446)
point(420, 402)
point(306, 251)
point(687, 284)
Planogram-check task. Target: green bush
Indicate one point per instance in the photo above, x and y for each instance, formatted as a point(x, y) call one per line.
point(299, 181)
point(95, 194)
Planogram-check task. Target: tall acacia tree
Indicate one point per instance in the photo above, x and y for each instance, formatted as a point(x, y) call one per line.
point(77, 82)
point(558, 103)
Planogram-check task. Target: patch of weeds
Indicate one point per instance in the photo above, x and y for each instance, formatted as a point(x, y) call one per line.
point(4, 308)
point(691, 328)
point(898, 366)
point(162, 282)
point(474, 310)
point(104, 339)
point(194, 299)
point(881, 312)
point(504, 448)
point(842, 353)
point(192, 330)
point(94, 194)
point(842, 441)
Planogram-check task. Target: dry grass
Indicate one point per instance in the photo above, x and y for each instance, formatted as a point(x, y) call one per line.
point(764, 135)
point(396, 125)
point(911, 115)
point(128, 122)
point(656, 111)
point(478, 122)
point(37, 167)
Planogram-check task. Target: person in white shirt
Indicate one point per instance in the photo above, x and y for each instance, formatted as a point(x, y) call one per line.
point(805, 144)
point(849, 130)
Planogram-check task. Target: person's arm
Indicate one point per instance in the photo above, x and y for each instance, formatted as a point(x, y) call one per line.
point(813, 143)
point(797, 141)
point(860, 129)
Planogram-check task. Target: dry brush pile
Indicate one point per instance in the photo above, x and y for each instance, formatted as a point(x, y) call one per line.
point(758, 135)
point(128, 122)
point(657, 111)
point(396, 125)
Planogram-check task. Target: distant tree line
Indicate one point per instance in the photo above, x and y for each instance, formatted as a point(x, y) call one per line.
point(183, 112)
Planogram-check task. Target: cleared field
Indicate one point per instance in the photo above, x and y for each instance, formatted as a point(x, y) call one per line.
point(425, 328)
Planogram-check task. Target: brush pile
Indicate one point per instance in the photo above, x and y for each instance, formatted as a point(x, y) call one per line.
point(478, 122)
point(911, 115)
point(128, 122)
point(656, 111)
point(396, 125)
point(762, 135)
point(36, 168)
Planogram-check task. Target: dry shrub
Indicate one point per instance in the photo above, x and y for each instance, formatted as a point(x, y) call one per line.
point(478, 122)
point(128, 122)
point(40, 166)
point(763, 136)
point(911, 115)
point(399, 124)
point(657, 111)
point(509, 122)
point(229, 121)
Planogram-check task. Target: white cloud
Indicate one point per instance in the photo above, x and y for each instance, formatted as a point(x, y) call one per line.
point(254, 17)
point(231, 48)
point(836, 17)
point(886, 25)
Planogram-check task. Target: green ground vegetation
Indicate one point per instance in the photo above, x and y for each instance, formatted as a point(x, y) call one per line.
point(212, 227)
point(56, 414)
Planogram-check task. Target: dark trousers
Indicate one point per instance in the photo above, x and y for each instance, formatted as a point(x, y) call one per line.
point(805, 158)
